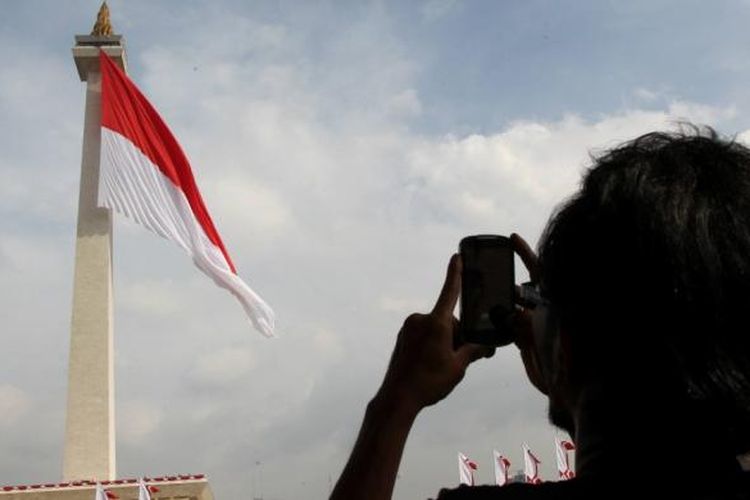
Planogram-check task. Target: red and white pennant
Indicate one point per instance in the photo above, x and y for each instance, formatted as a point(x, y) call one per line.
point(502, 468)
point(466, 468)
point(562, 447)
point(531, 466)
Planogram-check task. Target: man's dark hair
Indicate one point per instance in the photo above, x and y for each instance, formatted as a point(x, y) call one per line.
point(648, 268)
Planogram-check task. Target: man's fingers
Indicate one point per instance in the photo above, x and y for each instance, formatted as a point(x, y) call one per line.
point(523, 329)
point(527, 255)
point(468, 353)
point(525, 341)
point(533, 373)
point(446, 302)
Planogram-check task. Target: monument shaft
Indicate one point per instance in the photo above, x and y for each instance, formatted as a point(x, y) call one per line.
point(90, 425)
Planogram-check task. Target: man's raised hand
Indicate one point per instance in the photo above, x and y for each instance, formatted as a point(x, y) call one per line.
point(424, 366)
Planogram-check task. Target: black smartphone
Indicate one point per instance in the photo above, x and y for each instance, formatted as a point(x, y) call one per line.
point(487, 290)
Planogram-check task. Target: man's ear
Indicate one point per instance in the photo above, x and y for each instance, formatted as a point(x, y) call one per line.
point(567, 372)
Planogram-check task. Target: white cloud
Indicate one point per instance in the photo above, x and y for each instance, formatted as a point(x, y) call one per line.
point(405, 103)
point(222, 367)
point(14, 404)
point(328, 345)
point(700, 113)
point(401, 305)
point(36, 142)
point(433, 10)
point(137, 420)
point(29, 255)
point(645, 94)
point(260, 211)
point(151, 297)
point(744, 137)
point(508, 178)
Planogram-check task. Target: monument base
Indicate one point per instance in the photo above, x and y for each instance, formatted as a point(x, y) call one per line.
point(183, 487)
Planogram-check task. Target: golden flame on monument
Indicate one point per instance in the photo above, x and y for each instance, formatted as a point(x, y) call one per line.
point(102, 27)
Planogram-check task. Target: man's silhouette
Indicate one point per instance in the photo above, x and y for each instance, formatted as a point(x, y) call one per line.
point(641, 339)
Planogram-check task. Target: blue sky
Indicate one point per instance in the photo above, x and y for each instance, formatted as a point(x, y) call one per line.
point(343, 149)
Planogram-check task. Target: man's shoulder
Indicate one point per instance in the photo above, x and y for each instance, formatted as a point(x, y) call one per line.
point(597, 488)
point(572, 488)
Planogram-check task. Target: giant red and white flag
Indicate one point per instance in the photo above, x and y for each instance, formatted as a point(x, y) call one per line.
point(502, 467)
point(531, 466)
point(562, 447)
point(466, 468)
point(145, 176)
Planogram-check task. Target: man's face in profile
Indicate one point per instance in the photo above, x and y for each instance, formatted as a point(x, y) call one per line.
point(546, 330)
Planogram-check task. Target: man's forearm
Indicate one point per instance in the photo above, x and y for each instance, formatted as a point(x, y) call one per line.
point(424, 368)
point(371, 471)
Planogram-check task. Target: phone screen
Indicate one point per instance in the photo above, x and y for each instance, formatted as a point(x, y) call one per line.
point(487, 289)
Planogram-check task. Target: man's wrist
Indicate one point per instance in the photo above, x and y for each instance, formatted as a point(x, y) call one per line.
point(394, 403)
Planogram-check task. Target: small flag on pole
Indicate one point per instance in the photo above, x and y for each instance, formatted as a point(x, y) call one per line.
point(102, 494)
point(502, 466)
point(145, 176)
point(466, 468)
point(531, 466)
point(144, 491)
point(562, 447)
